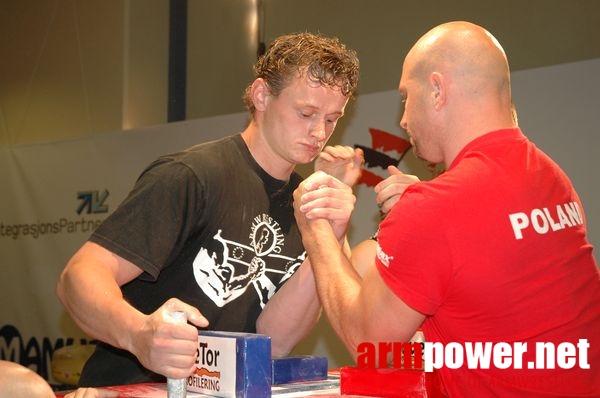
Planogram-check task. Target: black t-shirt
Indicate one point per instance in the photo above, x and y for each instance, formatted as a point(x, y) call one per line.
point(209, 226)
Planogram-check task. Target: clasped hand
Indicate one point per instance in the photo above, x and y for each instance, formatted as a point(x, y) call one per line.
point(324, 197)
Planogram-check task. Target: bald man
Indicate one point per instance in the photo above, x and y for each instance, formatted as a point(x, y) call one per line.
point(494, 250)
point(17, 381)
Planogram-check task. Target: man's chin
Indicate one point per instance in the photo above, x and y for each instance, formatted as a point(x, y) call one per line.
point(419, 156)
point(307, 158)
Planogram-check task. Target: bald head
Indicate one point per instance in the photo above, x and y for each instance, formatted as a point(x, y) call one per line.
point(456, 82)
point(466, 52)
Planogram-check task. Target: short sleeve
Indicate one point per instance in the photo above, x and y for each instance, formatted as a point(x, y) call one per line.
point(151, 225)
point(413, 256)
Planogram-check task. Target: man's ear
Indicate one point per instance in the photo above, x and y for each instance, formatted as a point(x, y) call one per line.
point(438, 87)
point(259, 92)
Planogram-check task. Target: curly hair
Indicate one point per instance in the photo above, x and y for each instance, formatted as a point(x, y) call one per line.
point(325, 60)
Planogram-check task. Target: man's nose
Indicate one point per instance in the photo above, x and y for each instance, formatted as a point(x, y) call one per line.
point(318, 131)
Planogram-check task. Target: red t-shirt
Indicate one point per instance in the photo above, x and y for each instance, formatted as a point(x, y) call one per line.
point(495, 250)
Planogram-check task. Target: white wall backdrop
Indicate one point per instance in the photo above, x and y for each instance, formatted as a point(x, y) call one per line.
point(53, 194)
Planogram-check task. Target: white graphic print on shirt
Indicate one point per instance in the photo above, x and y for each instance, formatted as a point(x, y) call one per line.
point(245, 265)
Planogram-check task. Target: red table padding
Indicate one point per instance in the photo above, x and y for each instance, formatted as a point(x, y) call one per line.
point(389, 382)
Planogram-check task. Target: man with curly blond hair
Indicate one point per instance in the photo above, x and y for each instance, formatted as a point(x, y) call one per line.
point(210, 230)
